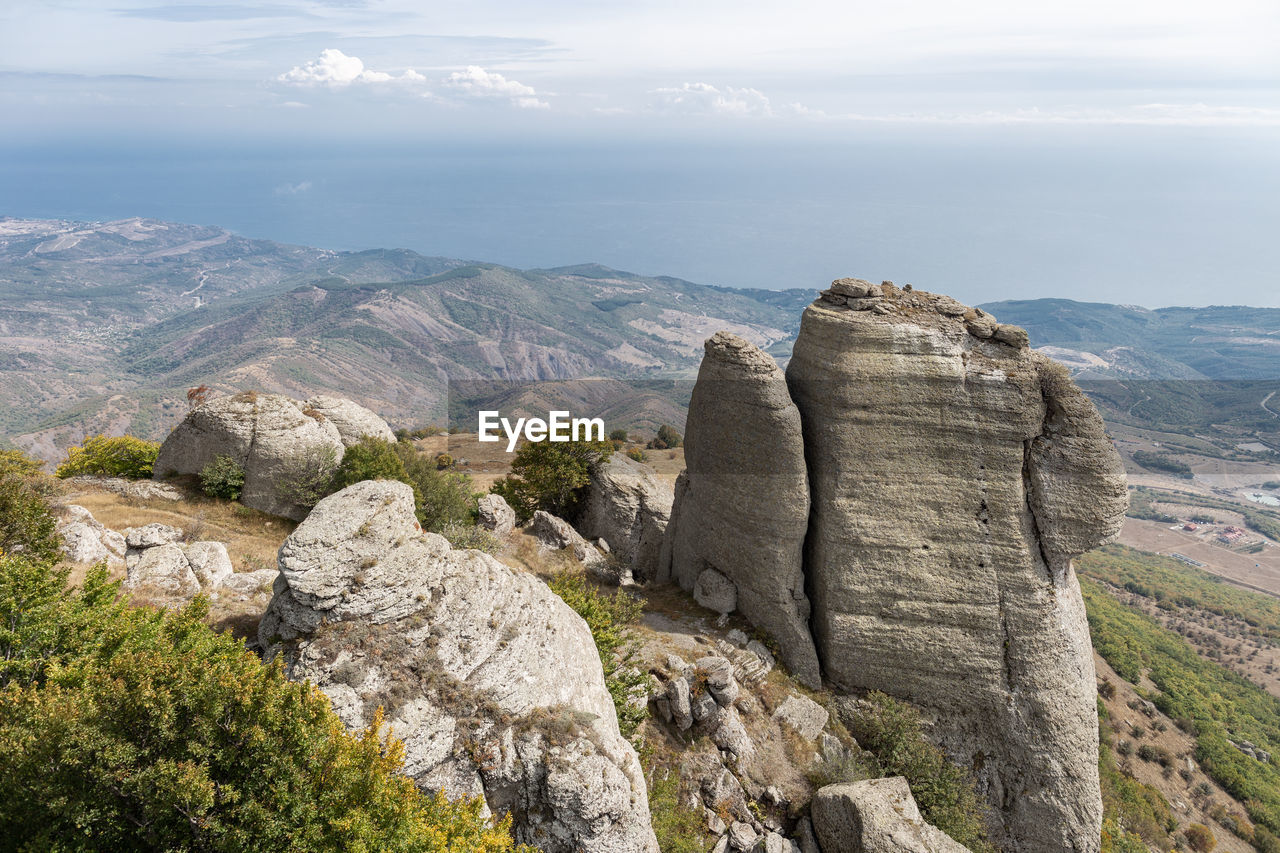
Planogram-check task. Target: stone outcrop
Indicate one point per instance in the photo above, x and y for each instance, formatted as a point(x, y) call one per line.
point(494, 514)
point(142, 490)
point(272, 437)
point(492, 682)
point(162, 569)
point(87, 540)
point(954, 473)
point(556, 534)
point(742, 505)
point(628, 506)
point(875, 816)
point(352, 420)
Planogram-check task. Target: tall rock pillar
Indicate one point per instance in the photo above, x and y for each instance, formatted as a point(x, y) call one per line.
point(954, 473)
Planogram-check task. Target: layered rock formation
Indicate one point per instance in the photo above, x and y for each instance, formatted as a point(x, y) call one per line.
point(741, 507)
point(627, 506)
point(945, 478)
point(492, 682)
point(954, 474)
point(277, 441)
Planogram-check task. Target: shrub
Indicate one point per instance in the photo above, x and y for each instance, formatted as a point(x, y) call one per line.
point(368, 459)
point(443, 461)
point(679, 829)
point(443, 499)
point(638, 454)
point(1199, 838)
point(470, 536)
point(111, 456)
point(222, 478)
point(550, 476)
point(668, 436)
point(618, 435)
point(608, 617)
point(27, 526)
point(307, 476)
point(128, 729)
point(891, 731)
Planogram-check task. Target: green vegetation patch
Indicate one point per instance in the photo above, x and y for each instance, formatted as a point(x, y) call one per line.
point(1206, 700)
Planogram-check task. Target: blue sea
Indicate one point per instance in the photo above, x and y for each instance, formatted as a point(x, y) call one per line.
point(1150, 216)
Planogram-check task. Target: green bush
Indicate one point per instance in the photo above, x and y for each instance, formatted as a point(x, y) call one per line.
point(111, 456)
point(618, 435)
point(891, 731)
point(26, 524)
point(131, 729)
point(550, 476)
point(444, 499)
point(1200, 838)
point(368, 459)
point(222, 478)
point(679, 829)
point(637, 454)
point(669, 437)
point(608, 617)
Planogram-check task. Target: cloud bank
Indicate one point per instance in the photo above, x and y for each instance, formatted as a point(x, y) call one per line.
point(335, 69)
point(475, 82)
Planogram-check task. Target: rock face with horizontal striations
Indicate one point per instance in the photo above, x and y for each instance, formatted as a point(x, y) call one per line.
point(742, 505)
point(954, 474)
point(628, 506)
point(352, 420)
point(492, 682)
point(876, 816)
point(268, 435)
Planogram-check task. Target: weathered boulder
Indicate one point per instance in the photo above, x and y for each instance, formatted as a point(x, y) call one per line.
point(556, 534)
point(87, 540)
point(742, 505)
point(875, 816)
point(628, 506)
point(143, 490)
point(352, 420)
point(209, 562)
point(151, 535)
point(269, 435)
point(953, 477)
point(496, 515)
point(492, 682)
point(162, 574)
point(805, 716)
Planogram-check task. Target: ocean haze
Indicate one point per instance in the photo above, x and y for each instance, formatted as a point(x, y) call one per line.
point(1150, 216)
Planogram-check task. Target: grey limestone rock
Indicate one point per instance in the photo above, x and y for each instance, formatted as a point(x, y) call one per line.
point(209, 562)
point(628, 506)
point(556, 534)
point(715, 592)
point(492, 682)
point(87, 540)
point(742, 504)
point(151, 535)
point(496, 515)
point(162, 574)
point(352, 420)
point(875, 816)
point(805, 716)
point(953, 478)
point(268, 435)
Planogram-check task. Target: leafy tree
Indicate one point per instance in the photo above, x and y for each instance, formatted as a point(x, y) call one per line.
point(222, 478)
point(618, 435)
point(127, 729)
point(550, 476)
point(111, 456)
point(26, 524)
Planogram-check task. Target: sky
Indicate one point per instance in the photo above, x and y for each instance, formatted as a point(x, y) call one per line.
point(1122, 150)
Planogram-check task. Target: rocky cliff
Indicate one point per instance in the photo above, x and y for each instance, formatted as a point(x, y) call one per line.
point(952, 473)
point(492, 682)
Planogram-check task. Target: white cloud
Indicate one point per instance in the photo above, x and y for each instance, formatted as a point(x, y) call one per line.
point(705, 99)
point(293, 189)
point(475, 82)
point(335, 69)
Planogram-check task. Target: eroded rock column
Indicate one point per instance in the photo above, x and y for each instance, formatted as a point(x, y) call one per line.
point(742, 505)
point(954, 474)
